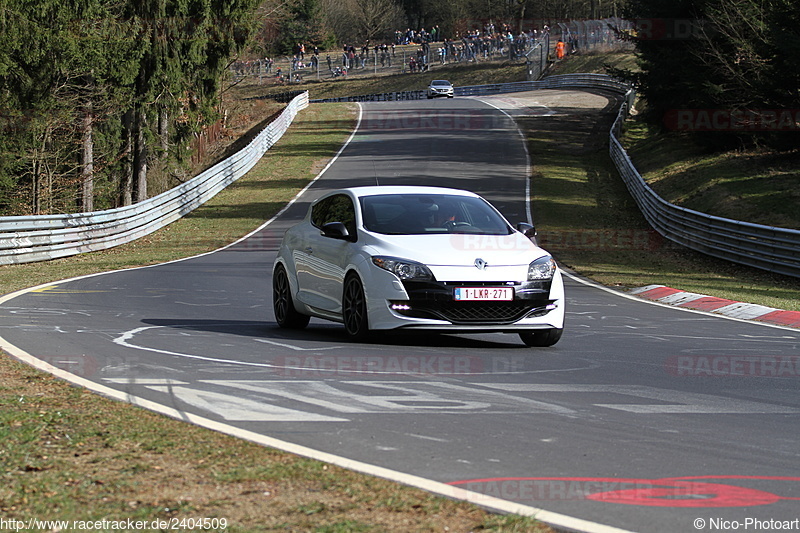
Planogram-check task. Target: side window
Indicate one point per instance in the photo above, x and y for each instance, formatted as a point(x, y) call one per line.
point(319, 212)
point(338, 208)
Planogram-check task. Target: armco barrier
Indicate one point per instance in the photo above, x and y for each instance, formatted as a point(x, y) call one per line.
point(26, 239)
point(765, 247)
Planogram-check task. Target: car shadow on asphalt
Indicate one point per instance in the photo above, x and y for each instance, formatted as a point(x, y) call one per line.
point(323, 332)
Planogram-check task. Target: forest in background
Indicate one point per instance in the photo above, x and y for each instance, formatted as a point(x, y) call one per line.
point(99, 96)
point(95, 93)
point(725, 73)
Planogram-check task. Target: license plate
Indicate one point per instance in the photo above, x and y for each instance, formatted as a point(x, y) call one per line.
point(483, 294)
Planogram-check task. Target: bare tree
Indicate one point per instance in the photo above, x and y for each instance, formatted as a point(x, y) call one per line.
point(730, 43)
point(363, 20)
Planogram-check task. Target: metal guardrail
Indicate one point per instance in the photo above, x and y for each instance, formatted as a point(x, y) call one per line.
point(765, 247)
point(25, 239)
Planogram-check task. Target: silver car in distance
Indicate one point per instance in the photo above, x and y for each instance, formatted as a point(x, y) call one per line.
point(416, 258)
point(440, 88)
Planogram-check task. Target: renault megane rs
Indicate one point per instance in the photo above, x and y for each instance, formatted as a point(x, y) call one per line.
point(416, 258)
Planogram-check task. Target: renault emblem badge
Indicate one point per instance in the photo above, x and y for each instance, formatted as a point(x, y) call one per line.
point(480, 264)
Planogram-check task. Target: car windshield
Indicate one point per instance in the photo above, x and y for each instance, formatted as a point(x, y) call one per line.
point(440, 83)
point(423, 214)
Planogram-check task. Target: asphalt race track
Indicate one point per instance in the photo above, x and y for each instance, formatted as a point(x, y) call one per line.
point(642, 417)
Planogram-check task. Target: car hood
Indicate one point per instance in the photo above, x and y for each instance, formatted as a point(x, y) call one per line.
point(456, 249)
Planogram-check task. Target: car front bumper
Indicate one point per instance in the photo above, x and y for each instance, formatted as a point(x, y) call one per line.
point(431, 306)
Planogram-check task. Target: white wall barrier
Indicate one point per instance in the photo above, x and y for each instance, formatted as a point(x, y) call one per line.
point(26, 239)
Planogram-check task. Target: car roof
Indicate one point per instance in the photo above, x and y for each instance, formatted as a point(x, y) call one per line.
point(374, 190)
point(440, 82)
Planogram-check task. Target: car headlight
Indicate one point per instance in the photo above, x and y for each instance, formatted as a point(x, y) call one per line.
point(542, 269)
point(403, 268)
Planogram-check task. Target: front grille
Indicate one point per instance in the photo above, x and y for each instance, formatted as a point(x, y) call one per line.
point(484, 312)
point(470, 312)
point(434, 300)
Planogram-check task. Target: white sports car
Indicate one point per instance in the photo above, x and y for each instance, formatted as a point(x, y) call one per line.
point(381, 258)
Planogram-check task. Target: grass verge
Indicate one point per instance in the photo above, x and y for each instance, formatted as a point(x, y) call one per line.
point(758, 186)
point(70, 455)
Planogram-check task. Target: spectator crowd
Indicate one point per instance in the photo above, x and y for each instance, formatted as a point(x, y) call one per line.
point(488, 42)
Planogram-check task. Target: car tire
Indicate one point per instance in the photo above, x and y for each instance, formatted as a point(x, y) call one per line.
point(541, 338)
point(354, 309)
point(282, 303)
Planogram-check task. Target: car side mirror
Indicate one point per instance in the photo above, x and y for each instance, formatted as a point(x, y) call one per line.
point(337, 230)
point(528, 230)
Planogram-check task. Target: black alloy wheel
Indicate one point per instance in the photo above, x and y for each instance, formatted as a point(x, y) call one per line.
point(283, 305)
point(354, 309)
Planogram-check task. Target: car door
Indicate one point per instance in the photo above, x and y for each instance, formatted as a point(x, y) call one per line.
point(323, 260)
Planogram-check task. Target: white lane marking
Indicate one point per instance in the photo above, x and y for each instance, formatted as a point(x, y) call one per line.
point(145, 381)
point(323, 394)
point(123, 340)
point(524, 142)
point(240, 409)
point(202, 305)
point(403, 397)
point(426, 437)
point(771, 337)
point(501, 366)
point(676, 402)
point(737, 339)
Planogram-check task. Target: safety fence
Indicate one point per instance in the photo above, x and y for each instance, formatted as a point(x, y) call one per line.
point(25, 239)
point(395, 60)
point(604, 35)
point(537, 60)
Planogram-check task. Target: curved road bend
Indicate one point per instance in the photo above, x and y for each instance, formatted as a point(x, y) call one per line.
point(619, 423)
